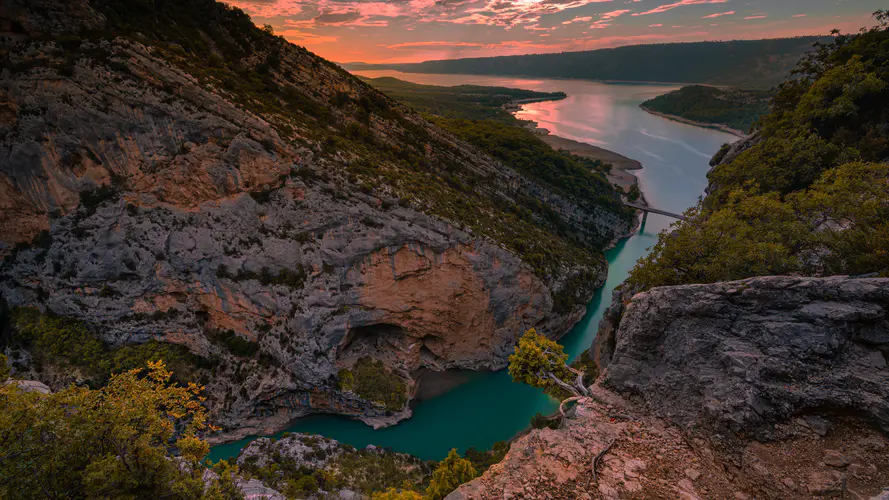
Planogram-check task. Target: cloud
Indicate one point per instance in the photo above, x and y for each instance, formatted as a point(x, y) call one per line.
point(711, 16)
point(680, 3)
point(604, 19)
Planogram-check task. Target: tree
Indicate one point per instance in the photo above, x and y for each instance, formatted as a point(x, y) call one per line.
point(395, 494)
point(115, 442)
point(541, 362)
point(450, 473)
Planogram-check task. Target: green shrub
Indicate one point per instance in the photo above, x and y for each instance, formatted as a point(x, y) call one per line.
point(371, 380)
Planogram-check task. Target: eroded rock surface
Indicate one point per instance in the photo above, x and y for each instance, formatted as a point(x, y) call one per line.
point(648, 457)
point(740, 356)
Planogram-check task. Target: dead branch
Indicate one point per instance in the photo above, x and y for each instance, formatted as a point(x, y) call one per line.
point(593, 476)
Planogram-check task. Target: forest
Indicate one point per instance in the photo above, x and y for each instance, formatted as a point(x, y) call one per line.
point(734, 108)
point(758, 64)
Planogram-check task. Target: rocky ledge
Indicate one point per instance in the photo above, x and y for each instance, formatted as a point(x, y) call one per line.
point(773, 387)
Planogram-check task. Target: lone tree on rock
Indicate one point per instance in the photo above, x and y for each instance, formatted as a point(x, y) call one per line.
point(541, 362)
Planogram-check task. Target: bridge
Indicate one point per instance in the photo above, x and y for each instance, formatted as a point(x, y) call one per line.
point(647, 209)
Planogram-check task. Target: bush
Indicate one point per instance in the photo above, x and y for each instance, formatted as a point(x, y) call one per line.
point(371, 380)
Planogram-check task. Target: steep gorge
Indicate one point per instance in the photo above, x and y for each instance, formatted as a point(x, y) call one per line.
point(179, 175)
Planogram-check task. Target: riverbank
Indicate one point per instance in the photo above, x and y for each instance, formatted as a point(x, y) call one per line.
point(621, 166)
point(715, 126)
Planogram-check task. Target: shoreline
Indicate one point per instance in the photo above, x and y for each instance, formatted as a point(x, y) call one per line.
point(676, 118)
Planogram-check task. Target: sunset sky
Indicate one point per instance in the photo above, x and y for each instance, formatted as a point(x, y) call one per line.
point(418, 30)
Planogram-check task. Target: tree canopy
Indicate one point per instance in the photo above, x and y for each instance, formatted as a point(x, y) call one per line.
point(541, 362)
point(113, 442)
point(450, 473)
point(811, 195)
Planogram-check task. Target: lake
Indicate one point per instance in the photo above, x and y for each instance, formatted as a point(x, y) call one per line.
point(489, 407)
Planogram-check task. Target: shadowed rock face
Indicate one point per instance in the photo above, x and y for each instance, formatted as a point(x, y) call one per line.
point(161, 207)
point(743, 355)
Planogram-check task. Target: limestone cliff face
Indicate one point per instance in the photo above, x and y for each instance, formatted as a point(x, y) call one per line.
point(160, 206)
point(773, 387)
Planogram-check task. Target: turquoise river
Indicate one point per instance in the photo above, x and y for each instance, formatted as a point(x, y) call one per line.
point(489, 407)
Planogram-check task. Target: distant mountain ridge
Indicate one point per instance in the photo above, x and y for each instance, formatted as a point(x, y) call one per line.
point(740, 63)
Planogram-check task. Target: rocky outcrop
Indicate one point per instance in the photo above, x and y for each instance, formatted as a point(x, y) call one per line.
point(773, 387)
point(764, 350)
point(643, 456)
point(150, 202)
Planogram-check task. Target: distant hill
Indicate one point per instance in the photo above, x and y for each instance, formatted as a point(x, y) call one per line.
point(732, 110)
point(473, 102)
point(745, 64)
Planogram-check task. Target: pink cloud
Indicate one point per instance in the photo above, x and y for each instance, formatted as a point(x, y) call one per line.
point(680, 3)
point(712, 16)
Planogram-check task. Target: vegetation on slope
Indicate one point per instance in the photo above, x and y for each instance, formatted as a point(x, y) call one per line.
point(475, 114)
point(322, 465)
point(811, 195)
point(371, 380)
point(734, 108)
point(745, 64)
point(115, 442)
point(472, 102)
point(60, 344)
point(387, 151)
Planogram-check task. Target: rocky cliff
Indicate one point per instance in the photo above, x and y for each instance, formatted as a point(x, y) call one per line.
point(180, 175)
point(773, 387)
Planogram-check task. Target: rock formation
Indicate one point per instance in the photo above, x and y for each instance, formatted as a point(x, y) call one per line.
point(772, 387)
point(153, 200)
point(765, 350)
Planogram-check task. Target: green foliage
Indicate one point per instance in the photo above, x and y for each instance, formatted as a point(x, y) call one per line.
point(115, 442)
point(588, 366)
point(365, 471)
point(838, 226)
point(537, 360)
point(541, 421)
point(395, 494)
point(371, 380)
point(526, 153)
point(292, 278)
point(809, 197)
point(68, 343)
point(735, 108)
point(237, 345)
point(473, 102)
point(482, 460)
point(634, 193)
point(450, 473)
point(4, 368)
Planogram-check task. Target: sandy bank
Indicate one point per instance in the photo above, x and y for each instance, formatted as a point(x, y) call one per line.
point(680, 119)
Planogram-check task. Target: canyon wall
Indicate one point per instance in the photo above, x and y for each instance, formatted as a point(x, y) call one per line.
point(151, 204)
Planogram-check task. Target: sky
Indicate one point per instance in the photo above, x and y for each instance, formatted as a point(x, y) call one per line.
point(394, 31)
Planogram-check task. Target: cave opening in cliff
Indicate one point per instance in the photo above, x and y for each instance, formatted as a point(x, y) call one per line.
point(375, 340)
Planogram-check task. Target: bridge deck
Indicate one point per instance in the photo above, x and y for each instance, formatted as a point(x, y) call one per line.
point(646, 208)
